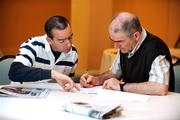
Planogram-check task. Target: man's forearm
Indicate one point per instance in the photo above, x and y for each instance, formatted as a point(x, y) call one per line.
point(150, 88)
point(106, 75)
point(21, 73)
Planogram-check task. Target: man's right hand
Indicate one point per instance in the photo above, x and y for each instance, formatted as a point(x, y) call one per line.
point(65, 81)
point(68, 84)
point(88, 81)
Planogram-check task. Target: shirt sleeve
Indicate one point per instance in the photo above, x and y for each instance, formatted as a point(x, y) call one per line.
point(20, 73)
point(72, 73)
point(26, 54)
point(160, 70)
point(115, 67)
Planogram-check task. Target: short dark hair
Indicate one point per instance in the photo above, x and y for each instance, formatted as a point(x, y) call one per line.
point(58, 22)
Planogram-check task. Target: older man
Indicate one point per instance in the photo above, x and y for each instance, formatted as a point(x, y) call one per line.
point(143, 64)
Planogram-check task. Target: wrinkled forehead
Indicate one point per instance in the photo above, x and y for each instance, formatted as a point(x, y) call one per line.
point(115, 32)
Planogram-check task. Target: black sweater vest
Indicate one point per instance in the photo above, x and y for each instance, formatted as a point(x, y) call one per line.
point(136, 68)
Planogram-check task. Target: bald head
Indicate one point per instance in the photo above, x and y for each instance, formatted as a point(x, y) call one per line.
point(125, 22)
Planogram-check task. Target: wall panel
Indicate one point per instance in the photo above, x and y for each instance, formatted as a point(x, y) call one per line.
point(21, 19)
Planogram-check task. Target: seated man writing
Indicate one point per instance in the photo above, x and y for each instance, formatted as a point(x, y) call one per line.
point(143, 65)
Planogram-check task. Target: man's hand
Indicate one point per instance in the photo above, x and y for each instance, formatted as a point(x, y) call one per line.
point(66, 82)
point(112, 84)
point(88, 80)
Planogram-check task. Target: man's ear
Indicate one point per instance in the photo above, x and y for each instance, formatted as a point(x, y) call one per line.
point(137, 35)
point(49, 40)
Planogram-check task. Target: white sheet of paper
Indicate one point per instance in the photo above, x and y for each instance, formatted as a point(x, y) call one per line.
point(93, 90)
point(121, 96)
point(114, 95)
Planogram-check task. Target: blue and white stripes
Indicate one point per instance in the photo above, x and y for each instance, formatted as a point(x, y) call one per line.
point(36, 52)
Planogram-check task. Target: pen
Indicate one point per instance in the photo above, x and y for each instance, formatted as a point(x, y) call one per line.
point(67, 85)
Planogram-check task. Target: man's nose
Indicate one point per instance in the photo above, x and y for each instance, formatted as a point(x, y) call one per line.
point(68, 42)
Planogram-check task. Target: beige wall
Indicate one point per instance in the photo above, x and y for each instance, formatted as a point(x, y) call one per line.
point(161, 17)
point(101, 13)
point(173, 22)
point(21, 19)
point(80, 24)
point(90, 20)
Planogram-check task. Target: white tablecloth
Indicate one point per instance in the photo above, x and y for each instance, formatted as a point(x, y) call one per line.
point(50, 108)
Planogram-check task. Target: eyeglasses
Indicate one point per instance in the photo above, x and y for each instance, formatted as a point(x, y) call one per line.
point(63, 40)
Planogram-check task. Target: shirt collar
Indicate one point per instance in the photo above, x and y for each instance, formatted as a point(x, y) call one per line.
point(48, 47)
point(142, 38)
point(63, 54)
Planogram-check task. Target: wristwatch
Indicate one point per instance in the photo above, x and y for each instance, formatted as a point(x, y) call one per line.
point(122, 86)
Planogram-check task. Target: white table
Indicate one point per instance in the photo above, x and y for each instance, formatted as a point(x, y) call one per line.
point(50, 108)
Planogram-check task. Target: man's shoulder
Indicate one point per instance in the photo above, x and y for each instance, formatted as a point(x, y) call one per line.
point(153, 42)
point(37, 38)
point(153, 39)
point(36, 41)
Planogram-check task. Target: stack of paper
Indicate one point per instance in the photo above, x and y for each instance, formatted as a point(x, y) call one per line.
point(13, 91)
point(92, 110)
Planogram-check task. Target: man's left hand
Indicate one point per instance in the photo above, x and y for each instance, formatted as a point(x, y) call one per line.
point(112, 84)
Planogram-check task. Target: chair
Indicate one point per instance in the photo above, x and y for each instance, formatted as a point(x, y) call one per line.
point(1, 53)
point(5, 63)
point(177, 78)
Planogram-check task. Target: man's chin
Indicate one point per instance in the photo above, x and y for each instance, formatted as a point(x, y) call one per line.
point(124, 51)
point(68, 50)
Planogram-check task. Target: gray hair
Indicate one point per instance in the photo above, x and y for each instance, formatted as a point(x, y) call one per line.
point(128, 26)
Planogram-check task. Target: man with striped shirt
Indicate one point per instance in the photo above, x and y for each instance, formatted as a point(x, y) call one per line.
point(143, 65)
point(51, 56)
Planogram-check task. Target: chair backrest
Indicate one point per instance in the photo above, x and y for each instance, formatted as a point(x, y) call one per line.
point(5, 63)
point(177, 78)
point(1, 53)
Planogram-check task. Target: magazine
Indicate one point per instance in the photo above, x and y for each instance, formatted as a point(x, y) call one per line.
point(13, 91)
point(92, 110)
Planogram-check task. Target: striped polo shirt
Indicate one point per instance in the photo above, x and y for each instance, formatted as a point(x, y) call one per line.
point(36, 52)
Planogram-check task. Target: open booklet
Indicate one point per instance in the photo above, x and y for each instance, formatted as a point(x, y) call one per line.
point(92, 110)
point(13, 91)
